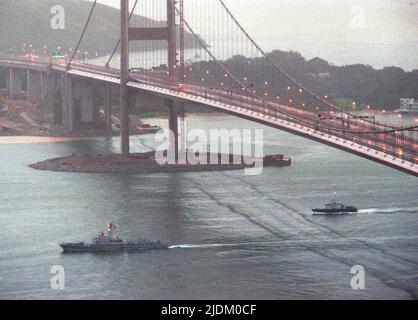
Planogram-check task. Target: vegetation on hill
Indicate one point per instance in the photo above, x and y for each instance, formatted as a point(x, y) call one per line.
point(29, 22)
point(343, 85)
point(360, 83)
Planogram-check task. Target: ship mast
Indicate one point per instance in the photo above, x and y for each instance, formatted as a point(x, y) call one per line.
point(110, 228)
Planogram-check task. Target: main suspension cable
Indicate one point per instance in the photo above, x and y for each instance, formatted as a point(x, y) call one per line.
point(118, 42)
point(287, 75)
point(267, 103)
point(82, 34)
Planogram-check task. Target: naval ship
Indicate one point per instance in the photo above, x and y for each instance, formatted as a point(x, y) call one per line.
point(335, 208)
point(408, 106)
point(109, 243)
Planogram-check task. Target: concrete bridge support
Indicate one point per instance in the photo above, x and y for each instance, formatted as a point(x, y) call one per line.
point(34, 81)
point(97, 92)
point(173, 122)
point(3, 78)
point(15, 84)
point(86, 101)
point(108, 107)
point(8, 83)
point(81, 104)
point(57, 108)
point(68, 102)
point(75, 92)
point(53, 84)
point(52, 88)
point(45, 85)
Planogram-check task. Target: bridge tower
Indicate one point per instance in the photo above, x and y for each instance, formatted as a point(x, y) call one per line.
point(128, 34)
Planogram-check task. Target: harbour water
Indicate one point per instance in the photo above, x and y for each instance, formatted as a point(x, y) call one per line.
point(232, 236)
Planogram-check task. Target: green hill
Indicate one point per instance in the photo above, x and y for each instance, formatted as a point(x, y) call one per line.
point(28, 21)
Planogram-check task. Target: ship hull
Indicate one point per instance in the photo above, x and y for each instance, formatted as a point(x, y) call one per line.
point(277, 163)
point(106, 248)
point(406, 112)
point(335, 211)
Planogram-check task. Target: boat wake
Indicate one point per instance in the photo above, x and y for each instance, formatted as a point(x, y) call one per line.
point(389, 210)
point(204, 246)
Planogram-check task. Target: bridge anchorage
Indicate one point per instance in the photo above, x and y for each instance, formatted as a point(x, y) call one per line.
point(225, 71)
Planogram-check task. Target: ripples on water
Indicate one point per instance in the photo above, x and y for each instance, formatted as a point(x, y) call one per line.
point(232, 236)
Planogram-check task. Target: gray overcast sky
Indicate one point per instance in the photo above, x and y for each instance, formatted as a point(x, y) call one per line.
point(303, 25)
point(385, 20)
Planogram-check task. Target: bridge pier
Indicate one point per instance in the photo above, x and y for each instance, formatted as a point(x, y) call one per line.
point(82, 100)
point(57, 108)
point(68, 102)
point(108, 107)
point(87, 102)
point(45, 85)
point(3, 78)
point(53, 87)
point(173, 124)
point(97, 93)
point(7, 82)
point(14, 84)
point(34, 86)
point(83, 104)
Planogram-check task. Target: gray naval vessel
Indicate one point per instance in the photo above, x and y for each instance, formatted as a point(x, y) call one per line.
point(112, 243)
point(335, 208)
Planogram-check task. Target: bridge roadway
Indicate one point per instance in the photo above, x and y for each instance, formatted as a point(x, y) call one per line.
point(391, 149)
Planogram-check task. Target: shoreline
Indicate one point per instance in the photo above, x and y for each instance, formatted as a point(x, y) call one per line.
point(23, 134)
point(37, 139)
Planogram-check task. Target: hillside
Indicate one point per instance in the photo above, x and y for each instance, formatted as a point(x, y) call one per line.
point(378, 88)
point(381, 88)
point(28, 21)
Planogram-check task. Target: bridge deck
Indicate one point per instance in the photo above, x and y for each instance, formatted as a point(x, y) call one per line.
point(384, 152)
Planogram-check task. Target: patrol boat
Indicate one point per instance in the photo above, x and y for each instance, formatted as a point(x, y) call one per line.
point(408, 106)
point(109, 242)
point(335, 208)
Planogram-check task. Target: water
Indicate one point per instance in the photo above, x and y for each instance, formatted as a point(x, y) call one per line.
point(232, 236)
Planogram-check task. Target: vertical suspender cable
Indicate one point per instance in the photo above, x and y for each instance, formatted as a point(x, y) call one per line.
point(293, 80)
point(118, 42)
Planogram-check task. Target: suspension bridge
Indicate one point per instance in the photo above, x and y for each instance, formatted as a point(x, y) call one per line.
point(161, 56)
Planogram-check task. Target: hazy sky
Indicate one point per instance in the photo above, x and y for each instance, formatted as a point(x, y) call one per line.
point(392, 21)
point(333, 29)
point(384, 20)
